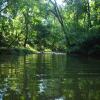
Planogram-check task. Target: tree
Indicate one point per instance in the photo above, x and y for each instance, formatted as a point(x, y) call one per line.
point(57, 14)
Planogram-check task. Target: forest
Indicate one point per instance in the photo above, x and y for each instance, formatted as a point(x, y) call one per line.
point(71, 26)
point(49, 49)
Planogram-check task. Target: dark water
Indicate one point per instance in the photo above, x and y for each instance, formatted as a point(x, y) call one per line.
point(49, 77)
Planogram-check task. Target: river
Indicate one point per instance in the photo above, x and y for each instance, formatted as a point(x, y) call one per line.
point(49, 77)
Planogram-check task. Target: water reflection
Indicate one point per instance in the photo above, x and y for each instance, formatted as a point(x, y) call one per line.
point(49, 77)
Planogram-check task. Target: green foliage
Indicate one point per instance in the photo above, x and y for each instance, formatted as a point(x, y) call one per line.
point(90, 44)
point(47, 25)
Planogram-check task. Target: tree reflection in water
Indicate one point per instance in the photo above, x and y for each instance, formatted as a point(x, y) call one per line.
point(49, 77)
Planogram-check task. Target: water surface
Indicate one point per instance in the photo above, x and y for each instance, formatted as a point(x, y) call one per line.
point(49, 77)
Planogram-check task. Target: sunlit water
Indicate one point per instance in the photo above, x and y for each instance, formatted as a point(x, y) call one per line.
point(49, 77)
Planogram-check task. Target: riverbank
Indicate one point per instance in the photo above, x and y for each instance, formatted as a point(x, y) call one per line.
point(85, 50)
point(85, 53)
point(24, 51)
point(17, 51)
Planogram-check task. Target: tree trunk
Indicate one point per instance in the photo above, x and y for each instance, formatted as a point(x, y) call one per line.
point(89, 15)
point(26, 28)
point(58, 15)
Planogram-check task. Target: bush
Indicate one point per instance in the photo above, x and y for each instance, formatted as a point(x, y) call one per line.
point(89, 45)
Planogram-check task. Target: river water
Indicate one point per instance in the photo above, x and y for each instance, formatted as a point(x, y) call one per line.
point(49, 77)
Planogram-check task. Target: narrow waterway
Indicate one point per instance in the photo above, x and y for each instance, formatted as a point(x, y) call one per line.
point(49, 77)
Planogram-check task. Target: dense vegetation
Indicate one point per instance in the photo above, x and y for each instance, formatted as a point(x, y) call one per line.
point(72, 26)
